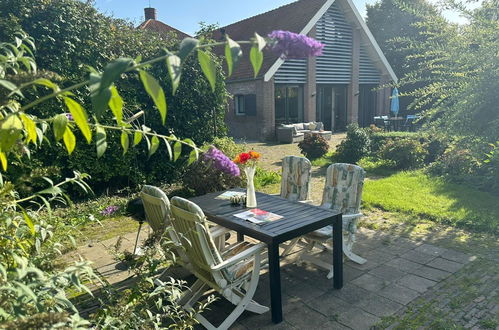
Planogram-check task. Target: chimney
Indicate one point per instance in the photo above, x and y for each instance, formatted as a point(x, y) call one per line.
point(150, 13)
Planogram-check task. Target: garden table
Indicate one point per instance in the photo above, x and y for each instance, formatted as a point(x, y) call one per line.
point(298, 219)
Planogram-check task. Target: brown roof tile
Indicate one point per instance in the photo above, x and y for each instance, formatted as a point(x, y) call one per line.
point(292, 17)
point(160, 27)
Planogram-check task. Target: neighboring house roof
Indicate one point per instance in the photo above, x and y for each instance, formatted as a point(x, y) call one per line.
point(160, 27)
point(299, 17)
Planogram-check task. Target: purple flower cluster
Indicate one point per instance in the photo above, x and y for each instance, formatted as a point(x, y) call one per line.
point(221, 162)
point(69, 116)
point(110, 210)
point(293, 45)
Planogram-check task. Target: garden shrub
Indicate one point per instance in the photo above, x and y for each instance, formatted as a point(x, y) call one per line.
point(379, 139)
point(313, 146)
point(265, 177)
point(404, 153)
point(457, 163)
point(202, 178)
point(435, 144)
point(355, 146)
point(71, 34)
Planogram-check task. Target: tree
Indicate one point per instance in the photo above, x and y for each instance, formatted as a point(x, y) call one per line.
point(395, 28)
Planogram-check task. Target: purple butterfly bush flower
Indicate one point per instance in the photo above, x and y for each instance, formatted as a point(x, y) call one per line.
point(221, 162)
point(293, 45)
point(110, 210)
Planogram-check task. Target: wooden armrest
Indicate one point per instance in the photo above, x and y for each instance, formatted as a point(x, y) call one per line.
point(239, 257)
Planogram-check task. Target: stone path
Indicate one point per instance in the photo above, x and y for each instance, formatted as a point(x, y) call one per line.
point(398, 281)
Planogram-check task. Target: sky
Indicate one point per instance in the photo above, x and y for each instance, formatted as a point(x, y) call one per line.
point(185, 15)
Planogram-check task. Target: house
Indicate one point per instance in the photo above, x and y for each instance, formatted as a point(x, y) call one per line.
point(151, 23)
point(336, 88)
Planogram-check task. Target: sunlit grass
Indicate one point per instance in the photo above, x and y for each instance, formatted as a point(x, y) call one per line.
point(432, 198)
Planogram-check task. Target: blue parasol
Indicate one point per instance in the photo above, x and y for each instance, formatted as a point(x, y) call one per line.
point(394, 108)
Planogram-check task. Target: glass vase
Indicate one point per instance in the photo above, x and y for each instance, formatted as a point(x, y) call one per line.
point(250, 186)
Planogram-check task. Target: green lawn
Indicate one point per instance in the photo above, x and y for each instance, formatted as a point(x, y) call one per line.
point(415, 193)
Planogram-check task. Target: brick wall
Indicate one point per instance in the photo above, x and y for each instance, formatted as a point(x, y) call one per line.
point(259, 127)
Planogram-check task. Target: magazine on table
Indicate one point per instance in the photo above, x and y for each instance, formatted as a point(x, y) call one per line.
point(228, 194)
point(258, 216)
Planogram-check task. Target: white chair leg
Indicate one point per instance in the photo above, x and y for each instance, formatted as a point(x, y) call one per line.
point(347, 249)
point(290, 247)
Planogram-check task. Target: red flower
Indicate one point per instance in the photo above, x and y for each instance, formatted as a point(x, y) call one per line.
point(244, 157)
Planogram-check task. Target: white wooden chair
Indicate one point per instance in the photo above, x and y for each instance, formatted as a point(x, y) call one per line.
point(296, 175)
point(158, 216)
point(234, 274)
point(342, 193)
point(295, 185)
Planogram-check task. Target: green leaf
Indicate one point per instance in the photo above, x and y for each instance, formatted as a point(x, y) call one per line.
point(174, 65)
point(124, 141)
point(186, 47)
point(80, 117)
point(7, 84)
point(46, 83)
point(233, 53)
point(177, 150)
point(260, 41)
point(100, 96)
point(168, 148)
point(69, 140)
point(59, 125)
point(209, 68)
point(193, 156)
point(3, 160)
point(116, 105)
point(10, 131)
point(100, 140)
point(155, 91)
point(137, 137)
point(154, 145)
point(256, 58)
point(30, 127)
point(113, 71)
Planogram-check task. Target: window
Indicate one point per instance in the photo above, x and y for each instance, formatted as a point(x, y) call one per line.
point(245, 105)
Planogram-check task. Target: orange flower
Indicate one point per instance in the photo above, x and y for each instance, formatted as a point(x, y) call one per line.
point(237, 160)
point(254, 154)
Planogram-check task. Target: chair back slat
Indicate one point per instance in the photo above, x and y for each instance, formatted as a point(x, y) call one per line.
point(193, 232)
point(156, 207)
point(343, 188)
point(296, 175)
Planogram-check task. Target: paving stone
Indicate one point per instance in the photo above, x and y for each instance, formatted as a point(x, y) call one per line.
point(403, 264)
point(370, 282)
point(456, 256)
point(303, 317)
point(387, 273)
point(417, 256)
point(431, 273)
point(417, 283)
point(399, 293)
point(306, 291)
point(356, 318)
point(350, 273)
point(378, 305)
point(430, 249)
point(350, 293)
point(444, 264)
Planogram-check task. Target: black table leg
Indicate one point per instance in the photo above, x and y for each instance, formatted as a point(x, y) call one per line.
point(337, 252)
point(240, 237)
point(275, 283)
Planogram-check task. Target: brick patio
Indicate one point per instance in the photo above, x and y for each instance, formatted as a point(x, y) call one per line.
point(397, 272)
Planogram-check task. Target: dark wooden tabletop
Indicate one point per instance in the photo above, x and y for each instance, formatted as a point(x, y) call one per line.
point(298, 218)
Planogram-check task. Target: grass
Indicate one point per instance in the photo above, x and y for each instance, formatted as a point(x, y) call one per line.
point(415, 193)
point(324, 161)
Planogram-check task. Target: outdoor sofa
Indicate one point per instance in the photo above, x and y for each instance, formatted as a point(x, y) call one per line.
point(291, 133)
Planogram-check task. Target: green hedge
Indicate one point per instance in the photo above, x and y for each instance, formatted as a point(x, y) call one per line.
point(69, 36)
